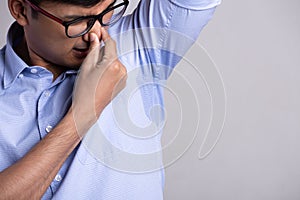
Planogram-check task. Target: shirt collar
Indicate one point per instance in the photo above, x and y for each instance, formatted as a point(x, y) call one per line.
point(14, 65)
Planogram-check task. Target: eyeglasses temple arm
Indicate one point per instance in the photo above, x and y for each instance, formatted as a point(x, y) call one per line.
point(36, 8)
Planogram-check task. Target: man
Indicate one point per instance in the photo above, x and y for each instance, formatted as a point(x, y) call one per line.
point(43, 120)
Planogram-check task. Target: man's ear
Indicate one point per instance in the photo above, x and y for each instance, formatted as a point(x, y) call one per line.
point(17, 9)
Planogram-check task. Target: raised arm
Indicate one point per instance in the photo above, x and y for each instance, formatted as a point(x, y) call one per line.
point(162, 30)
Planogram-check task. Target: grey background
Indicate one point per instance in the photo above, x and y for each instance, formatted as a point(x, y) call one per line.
point(255, 45)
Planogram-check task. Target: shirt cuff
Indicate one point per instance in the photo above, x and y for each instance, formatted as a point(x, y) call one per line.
point(196, 4)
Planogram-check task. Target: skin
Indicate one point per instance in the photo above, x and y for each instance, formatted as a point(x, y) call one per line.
point(46, 42)
point(30, 177)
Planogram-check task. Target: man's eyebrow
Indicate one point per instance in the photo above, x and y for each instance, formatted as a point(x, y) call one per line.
point(70, 17)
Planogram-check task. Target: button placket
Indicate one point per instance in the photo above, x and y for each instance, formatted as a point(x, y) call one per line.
point(44, 121)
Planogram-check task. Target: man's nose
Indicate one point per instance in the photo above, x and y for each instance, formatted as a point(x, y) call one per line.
point(95, 29)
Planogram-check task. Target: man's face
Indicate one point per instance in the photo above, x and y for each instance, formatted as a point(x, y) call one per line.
point(46, 39)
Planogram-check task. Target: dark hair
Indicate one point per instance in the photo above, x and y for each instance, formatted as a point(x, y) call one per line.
point(84, 3)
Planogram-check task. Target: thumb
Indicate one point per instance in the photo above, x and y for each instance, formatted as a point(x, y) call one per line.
point(93, 53)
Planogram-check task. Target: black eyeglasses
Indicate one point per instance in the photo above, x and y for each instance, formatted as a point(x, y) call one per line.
point(82, 25)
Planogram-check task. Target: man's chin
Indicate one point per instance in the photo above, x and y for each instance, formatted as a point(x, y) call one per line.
point(70, 66)
point(75, 64)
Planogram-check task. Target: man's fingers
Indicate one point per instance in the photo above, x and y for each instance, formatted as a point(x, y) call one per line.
point(105, 35)
point(93, 55)
point(110, 45)
point(94, 41)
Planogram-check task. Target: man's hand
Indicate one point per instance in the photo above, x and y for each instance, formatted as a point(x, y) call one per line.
point(102, 76)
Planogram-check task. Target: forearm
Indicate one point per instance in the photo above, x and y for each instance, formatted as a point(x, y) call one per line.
point(30, 177)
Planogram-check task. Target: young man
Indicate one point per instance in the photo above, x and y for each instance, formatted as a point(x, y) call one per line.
point(46, 111)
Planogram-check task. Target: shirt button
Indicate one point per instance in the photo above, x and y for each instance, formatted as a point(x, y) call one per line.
point(34, 71)
point(49, 128)
point(20, 76)
point(47, 93)
point(58, 178)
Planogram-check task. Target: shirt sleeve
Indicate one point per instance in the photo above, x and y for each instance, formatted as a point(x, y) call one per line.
point(196, 5)
point(161, 31)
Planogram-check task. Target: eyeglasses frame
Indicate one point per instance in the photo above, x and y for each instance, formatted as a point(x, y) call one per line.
point(66, 24)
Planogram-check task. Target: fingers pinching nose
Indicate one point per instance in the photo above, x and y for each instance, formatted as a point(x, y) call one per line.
point(94, 40)
point(105, 35)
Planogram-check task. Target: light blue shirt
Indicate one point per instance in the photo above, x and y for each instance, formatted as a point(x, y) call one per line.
point(120, 157)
